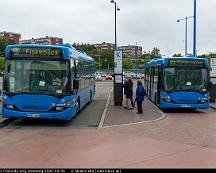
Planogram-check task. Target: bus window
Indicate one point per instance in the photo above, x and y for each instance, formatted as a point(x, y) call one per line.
point(169, 79)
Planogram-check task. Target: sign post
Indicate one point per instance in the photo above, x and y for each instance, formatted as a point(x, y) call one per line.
point(118, 78)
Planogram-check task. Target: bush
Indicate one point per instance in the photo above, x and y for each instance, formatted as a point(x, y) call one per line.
point(2, 63)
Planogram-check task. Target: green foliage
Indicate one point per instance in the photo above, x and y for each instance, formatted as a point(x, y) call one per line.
point(155, 53)
point(212, 55)
point(128, 64)
point(84, 47)
point(178, 55)
point(3, 44)
point(104, 59)
point(2, 63)
point(202, 56)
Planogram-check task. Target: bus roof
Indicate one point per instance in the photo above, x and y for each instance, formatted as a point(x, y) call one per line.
point(165, 61)
point(68, 51)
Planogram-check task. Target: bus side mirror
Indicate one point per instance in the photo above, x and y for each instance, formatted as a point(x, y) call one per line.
point(75, 84)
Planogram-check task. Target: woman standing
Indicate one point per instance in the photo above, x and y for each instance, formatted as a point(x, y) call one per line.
point(140, 96)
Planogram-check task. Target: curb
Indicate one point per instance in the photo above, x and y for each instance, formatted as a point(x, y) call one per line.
point(105, 110)
point(212, 107)
point(7, 121)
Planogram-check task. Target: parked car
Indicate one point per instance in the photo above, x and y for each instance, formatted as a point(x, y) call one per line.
point(108, 77)
point(127, 74)
point(98, 77)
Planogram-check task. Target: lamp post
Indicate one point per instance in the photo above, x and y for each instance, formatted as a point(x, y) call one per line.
point(116, 9)
point(118, 71)
point(186, 22)
point(194, 42)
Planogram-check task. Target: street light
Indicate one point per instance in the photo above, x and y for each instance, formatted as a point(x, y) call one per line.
point(194, 42)
point(118, 74)
point(116, 9)
point(186, 21)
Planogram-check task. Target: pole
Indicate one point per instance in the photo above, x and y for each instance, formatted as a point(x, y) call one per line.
point(186, 21)
point(136, 60)
point(194, 40)
point(115, 28)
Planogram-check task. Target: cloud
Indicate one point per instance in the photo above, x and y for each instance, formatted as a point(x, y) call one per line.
point(149, 23)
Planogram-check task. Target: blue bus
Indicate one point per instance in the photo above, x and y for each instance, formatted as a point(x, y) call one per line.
point(47, 82)
point(178, 82)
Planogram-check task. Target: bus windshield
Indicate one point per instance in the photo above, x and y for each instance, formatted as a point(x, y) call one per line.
point(186, 79)
point(35, 76)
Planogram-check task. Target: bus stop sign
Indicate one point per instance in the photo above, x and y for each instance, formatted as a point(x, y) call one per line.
point(118, 78)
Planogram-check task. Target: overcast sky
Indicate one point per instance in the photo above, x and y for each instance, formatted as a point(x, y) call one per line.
point(149, 23)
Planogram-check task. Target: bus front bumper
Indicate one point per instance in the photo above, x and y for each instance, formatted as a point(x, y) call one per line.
point(64, 115)
point(164, 104)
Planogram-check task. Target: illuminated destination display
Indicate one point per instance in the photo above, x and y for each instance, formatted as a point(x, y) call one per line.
point(184, 62)
point(36, 52)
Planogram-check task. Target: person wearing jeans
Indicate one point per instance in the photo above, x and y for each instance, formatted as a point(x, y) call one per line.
point(139, 96)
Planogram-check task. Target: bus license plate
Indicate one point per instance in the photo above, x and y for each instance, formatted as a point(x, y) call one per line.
point(33, 115)
point(185, 106)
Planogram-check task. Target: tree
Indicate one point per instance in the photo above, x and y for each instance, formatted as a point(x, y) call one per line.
point(3, 44)
point(128, 64)
point(177, 55)
point(2, 63)
point(155, 53)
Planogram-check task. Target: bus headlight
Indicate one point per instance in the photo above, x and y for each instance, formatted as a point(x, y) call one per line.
point(204, 101)
point(167, 99)
point(59, 108)
point(10, 107)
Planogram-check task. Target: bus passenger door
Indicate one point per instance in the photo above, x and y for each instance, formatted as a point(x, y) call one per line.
point(159, 84)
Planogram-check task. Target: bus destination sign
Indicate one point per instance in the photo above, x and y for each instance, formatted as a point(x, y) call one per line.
point(184, 62)
point(36, 52)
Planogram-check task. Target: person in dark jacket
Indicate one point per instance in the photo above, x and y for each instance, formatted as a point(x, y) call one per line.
point(126, 86)
point(139, 96)
point(129, 94)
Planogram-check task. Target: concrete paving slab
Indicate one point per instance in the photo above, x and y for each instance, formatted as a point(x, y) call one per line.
point(117, 115)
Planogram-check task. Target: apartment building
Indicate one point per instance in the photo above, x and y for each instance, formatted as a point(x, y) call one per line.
point(11, 36)
point(44, 41)
point(104, 46)
point(131, 51)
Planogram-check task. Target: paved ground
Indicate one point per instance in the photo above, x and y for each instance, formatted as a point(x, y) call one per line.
point(120, 116)
point(182, 139)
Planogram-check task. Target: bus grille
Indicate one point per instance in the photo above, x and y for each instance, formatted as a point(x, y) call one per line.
point(185, 100)
point(34, 108)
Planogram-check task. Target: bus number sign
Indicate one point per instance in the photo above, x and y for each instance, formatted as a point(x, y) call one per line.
point(184, 62)
point(36, 52)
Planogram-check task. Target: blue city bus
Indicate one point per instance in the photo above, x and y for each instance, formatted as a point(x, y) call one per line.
point(46, 82)
point(181, 82)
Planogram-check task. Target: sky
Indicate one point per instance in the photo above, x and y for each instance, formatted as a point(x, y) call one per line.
point(147, 23)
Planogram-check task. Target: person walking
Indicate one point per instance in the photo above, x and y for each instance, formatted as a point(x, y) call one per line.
point(140, 94)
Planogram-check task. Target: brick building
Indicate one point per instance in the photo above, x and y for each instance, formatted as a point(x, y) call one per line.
point(11, 36)
point(44, 41)
point(104, 46)
point(131, 51)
